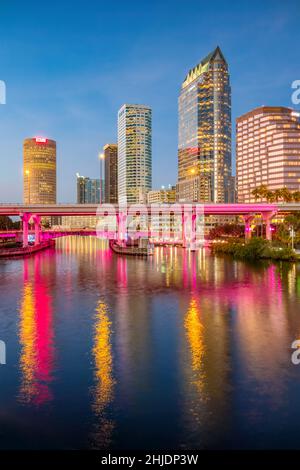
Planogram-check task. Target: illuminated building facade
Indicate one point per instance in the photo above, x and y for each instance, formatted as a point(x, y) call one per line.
point(82, 222)
point(267, 150)
point(163, 195)
point(111, 173)
point(164, 225)
point(204, 139)
point(134, 153)
point(88, 190)
point(39, 170)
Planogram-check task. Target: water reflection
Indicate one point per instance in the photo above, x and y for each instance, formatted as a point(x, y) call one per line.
point(194, 332)
point(28, 340)
point(36, 336)
point(88, 246)
point(103, 389)
point(188, 350)
point(238, 337)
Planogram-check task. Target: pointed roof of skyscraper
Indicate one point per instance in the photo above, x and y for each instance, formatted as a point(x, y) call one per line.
point(216, 53)
point(203, 66)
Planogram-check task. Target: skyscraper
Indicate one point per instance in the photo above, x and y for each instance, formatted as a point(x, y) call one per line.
point(204, 140)
point(39, 170)
point(111, 173)
point(267, 150)
point(134, 153)
point(88, 190)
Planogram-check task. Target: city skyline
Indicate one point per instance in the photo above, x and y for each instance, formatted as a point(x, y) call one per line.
point(64, 103)
point(149, 231)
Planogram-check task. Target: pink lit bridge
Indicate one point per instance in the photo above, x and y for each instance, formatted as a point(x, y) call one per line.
point(189, 213)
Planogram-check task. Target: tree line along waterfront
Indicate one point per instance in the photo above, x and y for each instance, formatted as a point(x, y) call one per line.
point(255, 249)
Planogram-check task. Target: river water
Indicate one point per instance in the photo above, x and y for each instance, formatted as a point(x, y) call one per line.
point(180, 351)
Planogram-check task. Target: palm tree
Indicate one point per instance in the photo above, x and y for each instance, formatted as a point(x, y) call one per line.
point(286, 195)
point(256, 193)
point(296, 196)
point(293, 220)
point(278, 194)
point(270, 196)
point(260, 192)
point(264, 190)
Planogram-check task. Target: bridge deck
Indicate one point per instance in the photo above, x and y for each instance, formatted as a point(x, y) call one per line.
point(91, 209)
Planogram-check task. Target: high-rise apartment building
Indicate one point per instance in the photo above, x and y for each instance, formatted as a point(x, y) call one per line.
point(204, 140)
point(134, 153)
point(88, 190)
point(267, 150)
point(39, 170)
point(110, 152)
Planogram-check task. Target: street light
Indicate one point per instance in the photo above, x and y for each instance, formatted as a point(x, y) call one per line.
point(292, 233)
point(27, 173)
point(101, 158)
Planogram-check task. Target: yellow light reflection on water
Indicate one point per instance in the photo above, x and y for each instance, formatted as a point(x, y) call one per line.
point(104, 381)
point(194, 332)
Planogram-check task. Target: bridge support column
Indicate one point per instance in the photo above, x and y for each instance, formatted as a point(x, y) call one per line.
point(248, 219)
point(189, 228)
point(193, 230)
point(184, 221)
point(160, 230)
point(267, 220)
point(25, 220)
point(122, 226)
point(37, 229)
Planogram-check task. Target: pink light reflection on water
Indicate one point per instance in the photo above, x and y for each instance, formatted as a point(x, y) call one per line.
point(36, 333)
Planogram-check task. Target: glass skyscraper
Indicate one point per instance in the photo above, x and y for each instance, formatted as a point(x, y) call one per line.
point(110, 152)
point(134, 153)
point(204, 141)
point(88, 190)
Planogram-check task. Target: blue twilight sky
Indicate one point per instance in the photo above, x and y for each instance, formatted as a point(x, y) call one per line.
point(69, 66)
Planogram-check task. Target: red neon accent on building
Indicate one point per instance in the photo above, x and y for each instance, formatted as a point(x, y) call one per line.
point(41, 140)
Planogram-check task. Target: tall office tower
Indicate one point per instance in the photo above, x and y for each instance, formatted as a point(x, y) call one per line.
point(111, 173)
point(267, 150)
point(134, 153)
point(88, 190)
point(39, 166)
point(204, 139)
